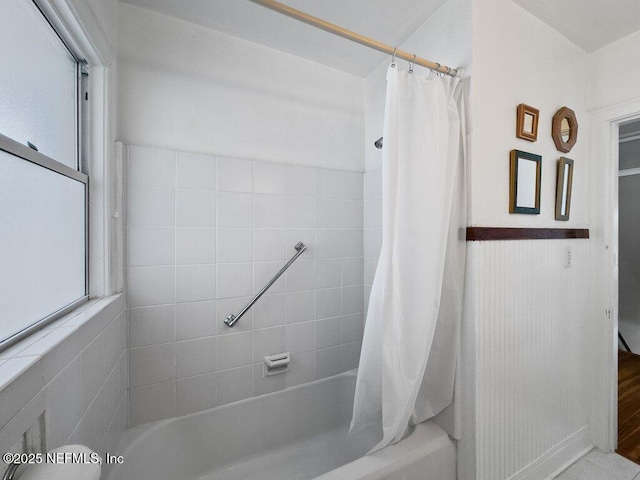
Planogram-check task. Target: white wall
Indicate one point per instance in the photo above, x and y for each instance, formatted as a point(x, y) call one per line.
point(614, 73)
point(612, 97)
point(528, 312)
point(205, 234)
point(518, 59)
point(188, 88)
point(606, 89)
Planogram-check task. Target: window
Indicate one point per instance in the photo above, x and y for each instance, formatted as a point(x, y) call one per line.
point(43, 192)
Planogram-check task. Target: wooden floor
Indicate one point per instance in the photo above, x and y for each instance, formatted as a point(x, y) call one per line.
point(629, 405)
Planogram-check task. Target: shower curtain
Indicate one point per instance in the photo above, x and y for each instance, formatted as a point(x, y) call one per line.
point(412, 331)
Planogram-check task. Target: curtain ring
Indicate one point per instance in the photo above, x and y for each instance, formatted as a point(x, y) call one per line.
point(393, 58)
point(412, 63)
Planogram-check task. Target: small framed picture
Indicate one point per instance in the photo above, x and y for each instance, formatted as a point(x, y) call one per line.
point(525, 175)
point(527, 122)
point(563, 189)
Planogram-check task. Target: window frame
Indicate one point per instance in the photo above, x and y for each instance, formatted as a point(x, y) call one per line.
point(79, 174)
point(28, 154)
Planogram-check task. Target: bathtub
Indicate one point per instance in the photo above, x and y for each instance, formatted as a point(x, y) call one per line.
point(298, 433)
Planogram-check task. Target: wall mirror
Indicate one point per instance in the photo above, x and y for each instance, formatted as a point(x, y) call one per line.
point(563, 189)
point(564, 129)
point(525, 175)
point(527, 122)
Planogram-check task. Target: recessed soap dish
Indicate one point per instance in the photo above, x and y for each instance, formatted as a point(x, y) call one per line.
point(275, 364)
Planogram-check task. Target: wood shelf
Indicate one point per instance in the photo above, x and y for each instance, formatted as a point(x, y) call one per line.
point(475, 234)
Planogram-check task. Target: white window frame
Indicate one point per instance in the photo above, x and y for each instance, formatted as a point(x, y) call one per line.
point(82, 33)
point(28, 154)
point(81, 30)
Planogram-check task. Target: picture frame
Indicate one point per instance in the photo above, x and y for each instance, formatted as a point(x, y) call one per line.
point(563, 188)
point(525, 180)
point(527, 122)
point(564, 129)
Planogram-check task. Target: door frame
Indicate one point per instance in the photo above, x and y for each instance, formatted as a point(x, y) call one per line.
point(604, 129)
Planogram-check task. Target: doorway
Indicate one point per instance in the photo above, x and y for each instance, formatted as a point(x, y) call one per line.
point(629, 291)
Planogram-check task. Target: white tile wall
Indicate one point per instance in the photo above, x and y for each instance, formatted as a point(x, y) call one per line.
point(75, 371)
point(193, 171)
point(195, 393)
point(268, 178)
point(225, 227)
point(235, 175)
point(193, 320)
point(329, 183)
point(195, 208)
point(151, 206)
point(151, 246)
point(195, 246)
point(372, 225)
point(195, 283)
point(269, 312)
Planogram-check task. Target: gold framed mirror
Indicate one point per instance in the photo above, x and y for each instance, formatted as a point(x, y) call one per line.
point(527, 122)
point(563, 188)
point(564, 129)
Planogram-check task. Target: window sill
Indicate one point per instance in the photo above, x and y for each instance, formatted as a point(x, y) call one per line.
point(20, 357)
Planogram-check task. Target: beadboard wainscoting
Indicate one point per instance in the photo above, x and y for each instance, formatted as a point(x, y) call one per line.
point(204, 235)
point(532, 355)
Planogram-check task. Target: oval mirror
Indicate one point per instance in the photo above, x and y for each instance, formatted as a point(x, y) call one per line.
point(564, 129)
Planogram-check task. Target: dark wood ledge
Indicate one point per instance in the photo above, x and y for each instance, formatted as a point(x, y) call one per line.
point(497, 233)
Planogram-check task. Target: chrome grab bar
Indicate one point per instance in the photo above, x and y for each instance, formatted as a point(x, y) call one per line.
point(11, 471)
point(232, 319)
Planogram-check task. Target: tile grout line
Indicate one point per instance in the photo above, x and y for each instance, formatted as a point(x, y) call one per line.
point(253, 275)
point(175, 279)
point(215, 253)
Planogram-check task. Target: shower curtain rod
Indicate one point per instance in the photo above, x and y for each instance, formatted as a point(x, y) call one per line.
point(354, 37)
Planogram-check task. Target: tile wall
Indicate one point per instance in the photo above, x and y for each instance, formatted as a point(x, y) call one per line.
point(75, 372)
point(372, 226)
point(204, 234)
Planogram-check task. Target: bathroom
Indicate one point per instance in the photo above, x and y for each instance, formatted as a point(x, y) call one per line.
point(219, 135)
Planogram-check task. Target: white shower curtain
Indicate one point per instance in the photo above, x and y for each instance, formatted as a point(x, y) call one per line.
point(411, 339)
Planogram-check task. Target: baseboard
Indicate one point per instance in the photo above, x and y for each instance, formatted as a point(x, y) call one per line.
point(558, 458)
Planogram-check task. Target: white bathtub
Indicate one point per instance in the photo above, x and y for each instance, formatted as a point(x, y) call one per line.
point(298, 433)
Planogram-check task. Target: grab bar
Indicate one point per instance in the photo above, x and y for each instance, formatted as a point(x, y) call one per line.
point(11, 471)
point(232, 319)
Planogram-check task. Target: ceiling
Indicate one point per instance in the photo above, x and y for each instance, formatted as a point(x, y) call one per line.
point(390, 22)
point(590, 24)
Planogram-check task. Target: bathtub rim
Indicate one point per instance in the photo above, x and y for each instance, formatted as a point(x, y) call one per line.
point(426, 439)
point(135, 435)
